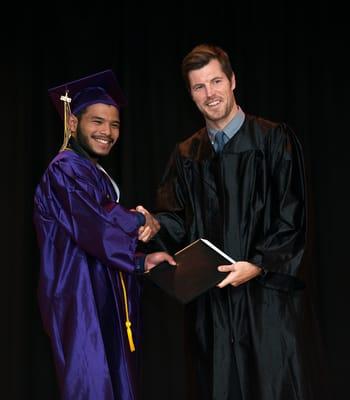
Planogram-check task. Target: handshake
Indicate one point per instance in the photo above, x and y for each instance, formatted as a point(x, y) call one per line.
point(146, 233)
point(151, 226)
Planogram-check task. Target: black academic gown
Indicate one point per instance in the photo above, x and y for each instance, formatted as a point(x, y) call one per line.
point(250, 201)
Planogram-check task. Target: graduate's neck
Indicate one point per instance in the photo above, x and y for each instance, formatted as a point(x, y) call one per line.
point(74, 145)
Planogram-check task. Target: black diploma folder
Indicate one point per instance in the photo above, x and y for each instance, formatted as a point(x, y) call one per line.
point(195, 272)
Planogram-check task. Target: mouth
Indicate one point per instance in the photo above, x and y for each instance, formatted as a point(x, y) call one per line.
point(103, 140)
point(212, 103)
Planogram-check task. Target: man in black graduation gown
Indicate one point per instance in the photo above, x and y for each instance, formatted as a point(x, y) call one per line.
point(239, 182)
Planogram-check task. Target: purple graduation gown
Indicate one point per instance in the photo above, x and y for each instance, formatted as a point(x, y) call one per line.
point(85, 239)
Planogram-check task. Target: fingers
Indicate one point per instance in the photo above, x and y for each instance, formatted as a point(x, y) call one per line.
point(151, 226)
point(230, 279)
point(227, 281)
point(146, 234)
point(154, 259)
point(142, 210)
point(168, 258)
point(239, 272)
point(226, 268)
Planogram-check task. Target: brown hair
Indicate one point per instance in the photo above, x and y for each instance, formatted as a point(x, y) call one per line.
point(200, 56)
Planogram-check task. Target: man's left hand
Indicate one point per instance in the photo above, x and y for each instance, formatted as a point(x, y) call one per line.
point(239, 272)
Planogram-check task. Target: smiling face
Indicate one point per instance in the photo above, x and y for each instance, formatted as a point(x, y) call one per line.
point(212, 92)
point(97, 129)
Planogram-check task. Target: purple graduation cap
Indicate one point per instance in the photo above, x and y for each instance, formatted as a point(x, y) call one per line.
point(97, 88)
point(73, 97)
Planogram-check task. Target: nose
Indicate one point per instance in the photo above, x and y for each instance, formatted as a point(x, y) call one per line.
point(209, 91)
point(106, 129)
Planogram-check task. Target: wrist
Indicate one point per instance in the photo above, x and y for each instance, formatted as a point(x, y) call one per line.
point(141, 218)
point(140, 264)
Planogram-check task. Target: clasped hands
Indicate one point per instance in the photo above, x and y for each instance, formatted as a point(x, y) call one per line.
point(150, 228)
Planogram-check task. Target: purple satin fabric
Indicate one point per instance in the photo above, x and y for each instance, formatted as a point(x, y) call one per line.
point(85, 239)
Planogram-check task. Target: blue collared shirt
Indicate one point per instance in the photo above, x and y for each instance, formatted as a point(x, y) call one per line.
point(230, 129)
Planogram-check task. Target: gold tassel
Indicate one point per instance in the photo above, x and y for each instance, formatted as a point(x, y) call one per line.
point(127, 322)
point(129, 332)
point(67, 133)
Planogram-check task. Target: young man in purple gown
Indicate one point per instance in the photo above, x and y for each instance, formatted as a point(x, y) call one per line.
point(88, 290)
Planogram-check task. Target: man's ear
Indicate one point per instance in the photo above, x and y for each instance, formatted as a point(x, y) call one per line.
point(73, 124)
point(233, 82)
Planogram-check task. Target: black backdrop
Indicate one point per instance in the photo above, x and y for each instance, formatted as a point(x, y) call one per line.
point(291, 64)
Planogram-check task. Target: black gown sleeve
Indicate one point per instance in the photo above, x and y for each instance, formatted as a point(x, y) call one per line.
point(171, 206)
point(280, 248)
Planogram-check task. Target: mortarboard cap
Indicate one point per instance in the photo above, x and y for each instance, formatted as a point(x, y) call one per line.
point(74, 96)
point(97, 88)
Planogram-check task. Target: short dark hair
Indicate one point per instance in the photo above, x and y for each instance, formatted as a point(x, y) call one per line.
point(200, 56)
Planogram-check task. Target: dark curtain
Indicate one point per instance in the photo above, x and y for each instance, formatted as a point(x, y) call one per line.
point(291, 65)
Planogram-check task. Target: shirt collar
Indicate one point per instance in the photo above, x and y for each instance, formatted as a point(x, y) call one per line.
point(231, 128)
